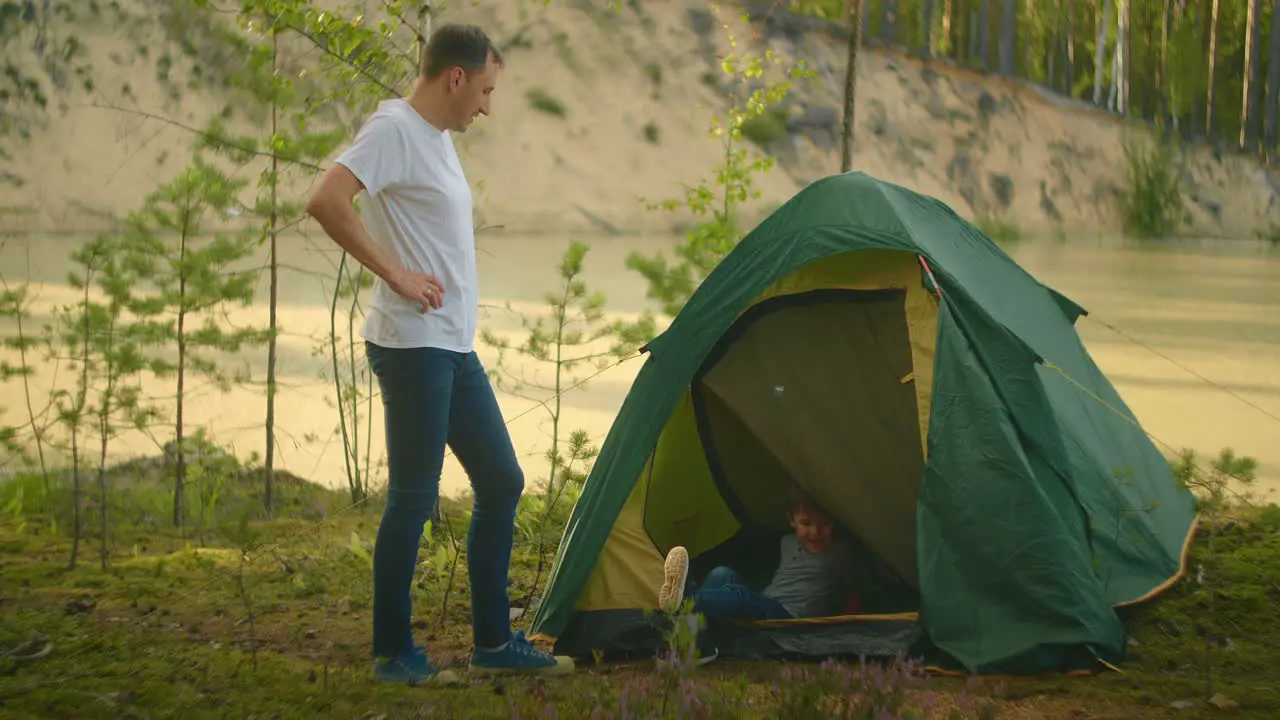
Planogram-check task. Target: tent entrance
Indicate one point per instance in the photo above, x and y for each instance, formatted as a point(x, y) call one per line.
point(817, 389)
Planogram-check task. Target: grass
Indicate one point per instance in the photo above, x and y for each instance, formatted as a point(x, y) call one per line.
point(184, 624)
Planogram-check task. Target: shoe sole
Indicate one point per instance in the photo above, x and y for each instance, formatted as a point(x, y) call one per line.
point(564, 666)
point(447, 678)
point(443, 677)
point(675, 571)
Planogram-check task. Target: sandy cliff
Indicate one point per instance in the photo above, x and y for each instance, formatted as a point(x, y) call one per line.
point(638, 87)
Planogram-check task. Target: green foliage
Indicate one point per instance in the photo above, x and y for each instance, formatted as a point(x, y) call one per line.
point(350, 373)
point(1271, 233)
point(653, 71)
point(362, 59)
point(1226, 482)
point(825, 9)
point(193, 276)
point(45, 62)
point(293, 142)
point(104, 338)
point(1151, 202)
point(544, 102)
point(172, 602)
point(671, 284)
point(1221, 495)
point(191, 281)
point(766, 128)
point(15, 308)
point(573, 333)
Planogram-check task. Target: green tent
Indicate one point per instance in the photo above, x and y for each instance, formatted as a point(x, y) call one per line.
point(867, 344)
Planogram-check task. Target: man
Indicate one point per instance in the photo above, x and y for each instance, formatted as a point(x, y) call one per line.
point(417, 237)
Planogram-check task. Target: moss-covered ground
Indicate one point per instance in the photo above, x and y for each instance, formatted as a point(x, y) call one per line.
point(183, 624)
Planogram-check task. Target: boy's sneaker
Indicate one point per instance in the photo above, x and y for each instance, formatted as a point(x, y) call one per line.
point(519, 656)
point(412, 668)
point(675, 572)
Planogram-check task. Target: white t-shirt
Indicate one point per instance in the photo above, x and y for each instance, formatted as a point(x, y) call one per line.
point(417, 207)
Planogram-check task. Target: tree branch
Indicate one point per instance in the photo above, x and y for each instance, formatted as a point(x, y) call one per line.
point(207, 135)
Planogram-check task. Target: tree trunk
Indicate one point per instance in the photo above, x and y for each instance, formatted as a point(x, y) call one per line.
point(1104, 30)
point(1271, 133)
point(1213, 62)
point(1051, 51)
point(104, 432)
point(1008, 38)
point(1249, 103)
point(1118, 91)
point(949, 26)
point(1029, 45)
point(854, 13)
point(974, 30)
point(889, 21)
point(1127, 87)
point(984, 34)
point(1162, 79)
point(928, 28)
point(180, 462)
point(1070, 67)
point(270, 469)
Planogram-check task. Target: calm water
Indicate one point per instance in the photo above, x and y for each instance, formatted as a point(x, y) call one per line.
point(1211, 308)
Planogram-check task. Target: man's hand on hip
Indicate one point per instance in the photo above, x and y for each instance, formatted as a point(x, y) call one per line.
point(426, 290)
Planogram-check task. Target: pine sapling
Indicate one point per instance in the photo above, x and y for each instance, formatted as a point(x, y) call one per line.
point(194, 284)
point(577, 334)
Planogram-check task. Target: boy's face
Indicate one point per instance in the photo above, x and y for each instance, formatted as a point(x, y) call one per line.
point(813, 529)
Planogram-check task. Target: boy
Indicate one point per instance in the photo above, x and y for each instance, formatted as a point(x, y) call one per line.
point(812, 579)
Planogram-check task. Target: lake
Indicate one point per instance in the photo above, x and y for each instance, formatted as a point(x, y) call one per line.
point(1198, 321)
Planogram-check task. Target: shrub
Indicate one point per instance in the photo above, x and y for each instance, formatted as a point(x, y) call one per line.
point(766, 127)
point(543, 101)
point(1151, 202)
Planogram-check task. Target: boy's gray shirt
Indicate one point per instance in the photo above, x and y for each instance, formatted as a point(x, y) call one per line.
point(811, 585)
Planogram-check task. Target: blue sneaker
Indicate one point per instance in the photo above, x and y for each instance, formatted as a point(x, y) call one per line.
point(519, 656)
point(411, 668)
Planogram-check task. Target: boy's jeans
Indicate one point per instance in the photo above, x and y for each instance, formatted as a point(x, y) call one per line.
point(723, 594)
point(431, 398)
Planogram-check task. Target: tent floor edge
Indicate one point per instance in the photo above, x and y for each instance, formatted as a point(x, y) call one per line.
point(622, 635)
point(1041, 662)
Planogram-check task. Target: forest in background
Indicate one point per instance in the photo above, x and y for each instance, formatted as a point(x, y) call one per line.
point(1203, 69)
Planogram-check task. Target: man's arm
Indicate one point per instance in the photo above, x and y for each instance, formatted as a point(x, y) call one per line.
point(331, 205)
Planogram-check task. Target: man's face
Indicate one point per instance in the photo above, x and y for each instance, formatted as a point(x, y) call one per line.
point(470, 94)
point(813, 529)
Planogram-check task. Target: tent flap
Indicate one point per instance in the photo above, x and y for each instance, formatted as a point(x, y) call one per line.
point(1003, 574)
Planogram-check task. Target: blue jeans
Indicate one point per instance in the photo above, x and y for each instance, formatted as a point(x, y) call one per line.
point(432, 398)
point(723, 595)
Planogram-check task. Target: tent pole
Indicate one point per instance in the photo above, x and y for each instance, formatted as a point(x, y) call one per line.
point(937, 289)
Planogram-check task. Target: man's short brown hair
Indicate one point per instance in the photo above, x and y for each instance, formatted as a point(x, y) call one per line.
point(455, 44)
